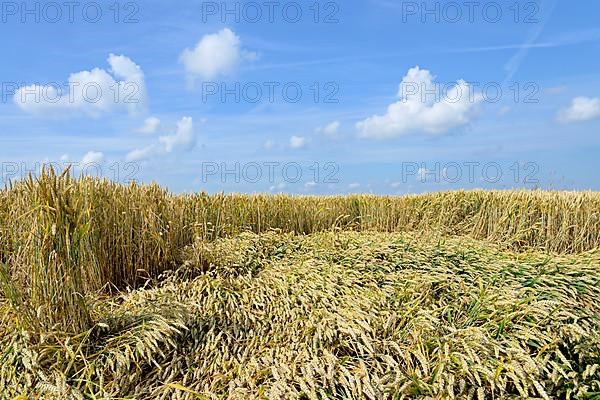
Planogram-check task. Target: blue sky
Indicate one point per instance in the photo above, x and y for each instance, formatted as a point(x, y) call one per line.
point(397, 97)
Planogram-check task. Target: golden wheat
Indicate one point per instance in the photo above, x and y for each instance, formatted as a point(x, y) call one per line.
point(130, 291)
point(335, 314)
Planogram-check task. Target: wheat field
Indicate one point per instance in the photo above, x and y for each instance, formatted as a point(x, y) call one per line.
point(131, 292)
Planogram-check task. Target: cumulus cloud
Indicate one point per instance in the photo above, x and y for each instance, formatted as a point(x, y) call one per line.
point(150, 126)
point(143, 153)
point(418, 110)
point(298, 142)
point(278, 188)
point(581, 109)
point(183, 139)
point(217, 54)
point(93, 93)
point(93, 157)
point(330, 129)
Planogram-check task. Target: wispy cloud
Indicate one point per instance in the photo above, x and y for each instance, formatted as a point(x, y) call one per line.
point(570, 39)
point(513, 65)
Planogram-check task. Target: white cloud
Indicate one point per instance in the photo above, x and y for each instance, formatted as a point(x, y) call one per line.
point(142, 154)
point(184, 139)
point(64, 158)
point(420, 111)
point(92, 157)
point(298, 142)
point(581, 109)
point(269, 144)
point(279, 187)
point(504, 111)
point(150, 126)
point(556, 89)
point(217, 54)
point(330, 129)
point(93, 93)
point(354, 185)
